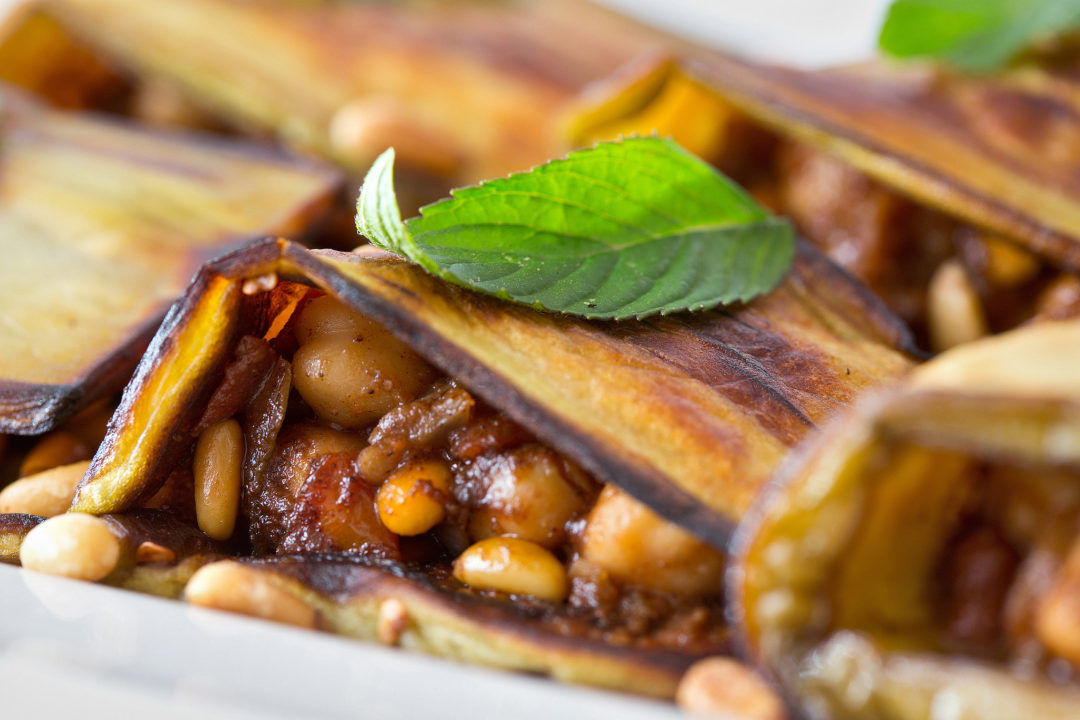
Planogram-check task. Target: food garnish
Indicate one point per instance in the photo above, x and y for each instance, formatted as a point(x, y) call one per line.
point(625, 229)
point(977, 36)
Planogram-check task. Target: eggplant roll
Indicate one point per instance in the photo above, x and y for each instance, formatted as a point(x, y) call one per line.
point(916, 559)
point(953, 197)
point(102, 224)
point(463, 89)
point(380, 454)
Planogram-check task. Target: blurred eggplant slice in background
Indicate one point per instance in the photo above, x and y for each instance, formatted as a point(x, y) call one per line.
point(464, 89)
point(101, 226)
point(922, 553)
point(419, 464)
point(954, 198)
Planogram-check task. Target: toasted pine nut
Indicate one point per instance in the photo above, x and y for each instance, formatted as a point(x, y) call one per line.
point(46, 493)
point(218, 457)
point(954, 313)
point(228, 585)
point(53, 450)
point(412, 500)
point(363, 128)
point(514, 566)
point(74, 545)
point(393, 619)
point(150, 552)
point(723, 686)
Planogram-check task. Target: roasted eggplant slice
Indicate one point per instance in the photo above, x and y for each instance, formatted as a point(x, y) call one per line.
point(464, 89)
point(953, 198)
point(920, 554)
point(487, 514)
point(996, 154)
point(101, 226)
point(688, 413)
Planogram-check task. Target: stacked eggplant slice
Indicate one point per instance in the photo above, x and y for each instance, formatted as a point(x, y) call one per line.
point(919, 555)
point(954, 198)
point(345, 443)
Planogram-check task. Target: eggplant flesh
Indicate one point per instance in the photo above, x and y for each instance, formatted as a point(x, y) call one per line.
point(921, 551)
point(101, 225)
point(742, 385)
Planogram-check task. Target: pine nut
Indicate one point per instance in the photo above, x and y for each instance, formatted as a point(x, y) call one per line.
point(53, 450)
point(219, 454)
point(47, 494)
point(149, 553)
point(412, 500)
point(514, 566)
point(723, 686)
point(392, 622)
point(230, 586)
point(74, 545)
point(954, 313)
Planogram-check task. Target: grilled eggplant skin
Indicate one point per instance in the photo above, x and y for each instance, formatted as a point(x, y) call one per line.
point(838, 567)
point(101, 225)
point(689, 414)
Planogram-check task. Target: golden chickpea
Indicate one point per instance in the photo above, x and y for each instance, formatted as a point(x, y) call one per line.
point(527, 496)
point(326, 315)
point(219, 455)
point(74, 545)
point(354, 380)
point(638, 547)
point(514, 566)
point(413, 498)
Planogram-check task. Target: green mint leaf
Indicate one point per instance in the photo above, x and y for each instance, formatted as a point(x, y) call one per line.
point(977, 36)
point(378, 217)
point(625, 229)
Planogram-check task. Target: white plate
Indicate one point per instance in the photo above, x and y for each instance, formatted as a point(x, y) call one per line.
point(76, 650)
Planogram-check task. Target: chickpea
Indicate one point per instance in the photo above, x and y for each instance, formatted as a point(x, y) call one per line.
point(725, 687)
point(514, 566)
point(48, 493)
point(638, 547)
point(219, 455)
point(526, 495)
point(354, 380)
point(325, 315)
point(74, 545)
point(412, 500)
point(53, 450)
